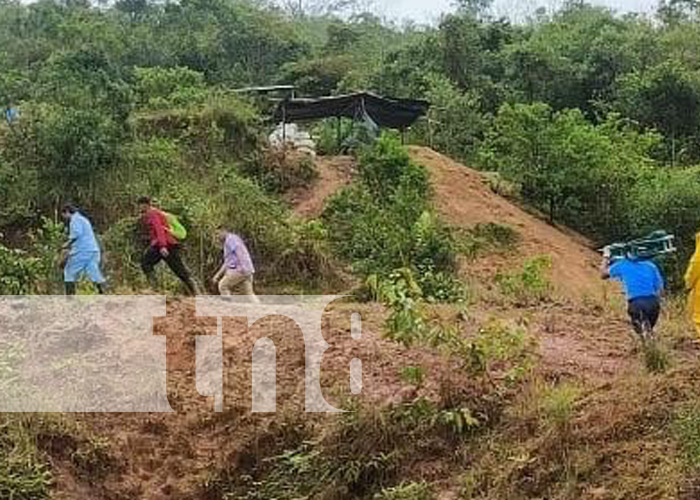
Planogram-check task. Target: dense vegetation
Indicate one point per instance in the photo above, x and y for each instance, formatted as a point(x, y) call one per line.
point(593, 115)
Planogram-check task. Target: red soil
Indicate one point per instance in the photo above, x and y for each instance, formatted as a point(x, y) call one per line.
point(464, 200)
point(334, 172)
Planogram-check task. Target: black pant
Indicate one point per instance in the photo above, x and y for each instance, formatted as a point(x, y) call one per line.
point(644, 313)
point(174, 261)
point(71, 288)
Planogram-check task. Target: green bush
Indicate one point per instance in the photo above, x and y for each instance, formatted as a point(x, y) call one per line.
point(279, 170)
point(19, 190)
point(35, 270)
point(577, 172)
point(383, 223)
point(487, 238)
point(529, 285)
point(330, 134)
point(24, 474)
point(318, 77)
point(214, 129)
point(165, 87)
point(414, 375)
point(668, 199)
point(496, 347)
point(63, 150)
point(124, 242)
point(387, 169)
point(456, 124)
point(401, 293)
point(46, 244)
point(407, 491)
point(19, 272)
point(558, 404)
point(149, 167)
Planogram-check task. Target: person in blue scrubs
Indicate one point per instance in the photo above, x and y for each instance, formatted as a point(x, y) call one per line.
point(84, 253)
point(643, 286)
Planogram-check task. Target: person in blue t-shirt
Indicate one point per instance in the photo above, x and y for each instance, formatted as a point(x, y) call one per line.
point(643, 286)
point(83, 250)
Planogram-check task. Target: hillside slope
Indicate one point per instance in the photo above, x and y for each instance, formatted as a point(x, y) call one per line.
point(613, 442)
point(464, 200)
point(334, 172)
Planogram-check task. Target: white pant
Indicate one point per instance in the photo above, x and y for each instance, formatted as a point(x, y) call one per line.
point(234, 281)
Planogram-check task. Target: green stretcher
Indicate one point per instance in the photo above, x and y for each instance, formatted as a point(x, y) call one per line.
point(657, 244)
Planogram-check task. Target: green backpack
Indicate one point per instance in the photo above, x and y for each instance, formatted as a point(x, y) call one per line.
point(176, 228)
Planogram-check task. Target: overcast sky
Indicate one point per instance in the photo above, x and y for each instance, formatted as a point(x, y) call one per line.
point(430, 10)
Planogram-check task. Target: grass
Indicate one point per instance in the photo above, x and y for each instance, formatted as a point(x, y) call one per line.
point(498, 349)
point(367, 453)
point(29, 445)
point(617, 443)
point(413, 375)
point(407, 491)
point(558, 404)
point(686, 429)
point(486, 239)
point(656, 357)
point(543, 404)
point(675, 324)
point(529, 285)
point(24, 471)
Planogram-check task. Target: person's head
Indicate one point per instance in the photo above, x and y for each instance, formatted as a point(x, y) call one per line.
point(68, 211)
point(221, 233)
point(145, 203)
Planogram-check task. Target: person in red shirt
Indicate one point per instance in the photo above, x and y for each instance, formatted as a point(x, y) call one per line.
point(164, 246)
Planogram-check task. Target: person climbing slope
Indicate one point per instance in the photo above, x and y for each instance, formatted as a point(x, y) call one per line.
point(643, 286)
point(83, 252)
point(692, 283)
point(163, 246)
point(237, 271)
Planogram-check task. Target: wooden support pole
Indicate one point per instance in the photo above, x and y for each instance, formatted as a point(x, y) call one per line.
point(340, 133)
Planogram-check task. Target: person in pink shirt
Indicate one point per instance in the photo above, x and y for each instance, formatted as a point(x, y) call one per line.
point(237, 271)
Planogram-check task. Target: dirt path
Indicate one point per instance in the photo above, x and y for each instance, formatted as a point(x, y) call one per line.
point(334, 173)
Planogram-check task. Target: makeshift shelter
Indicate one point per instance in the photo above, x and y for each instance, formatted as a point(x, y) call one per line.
point(364, 106)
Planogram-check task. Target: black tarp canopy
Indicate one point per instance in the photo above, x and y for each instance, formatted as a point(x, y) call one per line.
point(383, 111)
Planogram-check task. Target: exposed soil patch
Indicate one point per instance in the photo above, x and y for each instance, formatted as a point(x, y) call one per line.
point(464, 200)
point(334, 172)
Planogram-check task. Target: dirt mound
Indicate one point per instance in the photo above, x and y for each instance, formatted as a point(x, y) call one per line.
point(464, 200)
point(334, 172)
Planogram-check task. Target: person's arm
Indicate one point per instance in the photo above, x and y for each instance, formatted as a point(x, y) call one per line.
point(74, 232)
point(660, 282)
point(156, 222)
point(605, 265)
point(68, 244)
point(220, 273)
